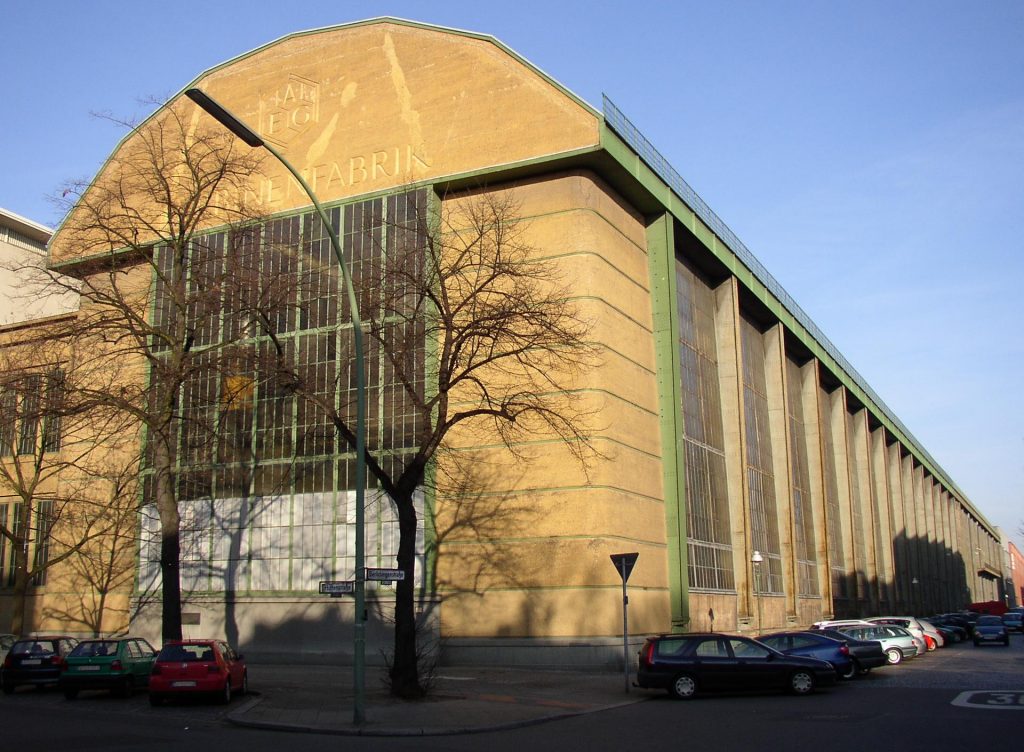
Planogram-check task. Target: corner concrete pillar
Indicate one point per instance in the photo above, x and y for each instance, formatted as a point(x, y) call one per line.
point(661, 261)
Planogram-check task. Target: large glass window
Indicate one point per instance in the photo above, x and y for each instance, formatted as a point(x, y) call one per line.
point(263, 494)
point(709, 546)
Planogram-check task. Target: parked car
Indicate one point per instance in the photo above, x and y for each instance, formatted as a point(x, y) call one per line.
point(685, 664)
point(990, 629)
point(910, 624)
point(35, 660)
point(836, 623)
point(188, 667)
point(930, 630)
point(1013, 621)
point(866, 654)
point(813, 645)
point(897, 643)
point(951, 630)
point(119, 665)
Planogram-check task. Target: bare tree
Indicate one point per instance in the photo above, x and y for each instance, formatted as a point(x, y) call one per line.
point(505, 343)
point(155, 282)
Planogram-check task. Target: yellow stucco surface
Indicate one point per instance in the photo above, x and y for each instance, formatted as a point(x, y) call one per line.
point(364, 108)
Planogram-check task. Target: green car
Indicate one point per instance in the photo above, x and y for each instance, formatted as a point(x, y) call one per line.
point(118, 664)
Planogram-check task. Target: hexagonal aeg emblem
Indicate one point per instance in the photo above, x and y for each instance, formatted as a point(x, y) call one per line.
point(290, 111)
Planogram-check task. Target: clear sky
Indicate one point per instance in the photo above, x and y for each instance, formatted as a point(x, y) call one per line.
point(871, 154)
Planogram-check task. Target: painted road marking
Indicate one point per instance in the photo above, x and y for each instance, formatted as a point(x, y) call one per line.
point(1012, 699)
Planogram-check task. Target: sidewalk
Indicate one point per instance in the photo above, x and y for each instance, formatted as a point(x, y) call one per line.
point(318, 699)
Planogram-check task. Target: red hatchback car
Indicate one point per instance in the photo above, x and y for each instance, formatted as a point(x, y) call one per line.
point(186, 667)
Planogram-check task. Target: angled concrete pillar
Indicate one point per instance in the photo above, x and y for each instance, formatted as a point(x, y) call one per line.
point(882, 519)
point(781, 442)
point(730, 377)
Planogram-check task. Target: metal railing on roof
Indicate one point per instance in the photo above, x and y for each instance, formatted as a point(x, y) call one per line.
point(629, 133)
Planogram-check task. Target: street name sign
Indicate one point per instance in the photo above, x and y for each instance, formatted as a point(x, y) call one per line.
point(385, 575)
point(336, 588)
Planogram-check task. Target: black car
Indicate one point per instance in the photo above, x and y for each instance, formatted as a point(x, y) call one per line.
point(685, 664)
point(866, 654)
point(35, 660)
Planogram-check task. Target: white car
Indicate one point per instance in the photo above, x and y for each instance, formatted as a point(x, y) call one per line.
point(897, 642)
point(910, 624)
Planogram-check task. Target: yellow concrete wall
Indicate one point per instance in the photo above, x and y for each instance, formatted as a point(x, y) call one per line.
point(528, 552)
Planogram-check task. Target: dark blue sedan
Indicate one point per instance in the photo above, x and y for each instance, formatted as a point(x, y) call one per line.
point(811, 645)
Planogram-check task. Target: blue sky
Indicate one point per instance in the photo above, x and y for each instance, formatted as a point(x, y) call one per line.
point(871, 154)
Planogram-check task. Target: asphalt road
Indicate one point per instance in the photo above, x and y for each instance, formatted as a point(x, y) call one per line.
point(959, 698)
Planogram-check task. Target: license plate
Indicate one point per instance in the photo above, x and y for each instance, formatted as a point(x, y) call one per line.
point(88, 668)
point(31, 662)
point(183, 684)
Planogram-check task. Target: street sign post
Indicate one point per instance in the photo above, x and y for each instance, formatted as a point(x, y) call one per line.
point(624, 565)
point(386, 576)
point(337, 588)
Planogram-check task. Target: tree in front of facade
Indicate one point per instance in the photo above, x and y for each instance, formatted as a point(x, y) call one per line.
point(473, 329)
point(53, 503)
point(153, 285)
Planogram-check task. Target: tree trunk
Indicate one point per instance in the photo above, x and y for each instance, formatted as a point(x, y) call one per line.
point(170, 545)
point(20, 590)
point(405, 678)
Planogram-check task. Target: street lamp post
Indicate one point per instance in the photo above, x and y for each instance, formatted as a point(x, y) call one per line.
point(246, 134)
point(756, 558)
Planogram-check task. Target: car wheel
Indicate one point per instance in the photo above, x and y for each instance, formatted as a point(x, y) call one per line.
point(850, 672)
point(894, 656)
point(977, 644)
point(225, 696)
point(683, 687)
point(155, 700)
point(801, 683)
point(70, 694)
point(8, 688)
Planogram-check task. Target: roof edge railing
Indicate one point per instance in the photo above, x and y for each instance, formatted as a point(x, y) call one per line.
point(629, 133)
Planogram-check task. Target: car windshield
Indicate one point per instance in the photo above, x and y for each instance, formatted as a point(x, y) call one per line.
point(186, 653)
point(94, 649)
point(989, 621)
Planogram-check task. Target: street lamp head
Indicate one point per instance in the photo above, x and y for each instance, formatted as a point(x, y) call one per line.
point(224, 117)
point(756, 557)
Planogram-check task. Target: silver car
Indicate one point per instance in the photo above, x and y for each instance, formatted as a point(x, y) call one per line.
point(897, 642)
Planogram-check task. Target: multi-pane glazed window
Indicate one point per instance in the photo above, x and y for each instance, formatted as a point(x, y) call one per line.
point(30, 405)
point(764, 518)
point(709, 549)
point(833, 512)
point(265, 487)
point(38, 538)
point(803, 513)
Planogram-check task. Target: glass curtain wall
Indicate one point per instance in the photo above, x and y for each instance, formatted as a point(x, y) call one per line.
point(707, 502)
point(266, 490)
point(764, 518)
